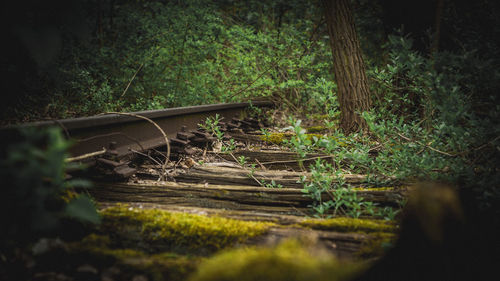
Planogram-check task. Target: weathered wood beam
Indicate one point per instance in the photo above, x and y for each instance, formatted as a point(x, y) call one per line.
point(240, 176)
point(277, 159)
point(289, 201)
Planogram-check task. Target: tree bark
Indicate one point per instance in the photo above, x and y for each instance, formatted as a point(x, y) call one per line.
point(348, 65)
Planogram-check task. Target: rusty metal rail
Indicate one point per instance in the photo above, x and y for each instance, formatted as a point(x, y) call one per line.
point(121, 134)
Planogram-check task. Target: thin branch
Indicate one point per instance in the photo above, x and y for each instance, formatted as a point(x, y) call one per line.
point(486, 144)
point(249, 172)
point(147, 156)
point(130, 82)
point(293, 161)
point(164, 166)
point(260, 164)
point(112, 134)
point(85, 156)
point(428, 146)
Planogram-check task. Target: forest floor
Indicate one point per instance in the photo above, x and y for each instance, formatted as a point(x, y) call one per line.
point(233, 209)
point(221, 214)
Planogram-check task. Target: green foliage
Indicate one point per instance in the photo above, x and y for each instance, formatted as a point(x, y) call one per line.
point(300, 142)
point(211, 126)
point(271, 184)
point(229, 146)
point(242, 160)
point(326, 182)
point(36, 194)
point(154, 54)
point(327, 186)
point(432, 120)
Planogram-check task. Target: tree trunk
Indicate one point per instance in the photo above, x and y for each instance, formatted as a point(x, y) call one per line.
point(348, 65)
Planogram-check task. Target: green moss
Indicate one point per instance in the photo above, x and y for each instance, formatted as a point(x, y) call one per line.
point(319, 117)
point(350, 225)
point(387, 188)
point(184, 230)
point(279, 138)
point(162, 266)
point(101, 245)
point(316, 129)
point(377, 245)
point(288, 261)
point(274, 138)
point(311, 136)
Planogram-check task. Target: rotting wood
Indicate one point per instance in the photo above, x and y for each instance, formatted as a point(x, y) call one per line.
point(246, 215)
point(244, 137)
point(289, 201)
point(276, 159)
point(226, 175)
point(342, 244)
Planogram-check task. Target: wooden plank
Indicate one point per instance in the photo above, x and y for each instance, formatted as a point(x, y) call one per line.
point(277, 159)
point(341, 244)
point(240, 176)
point(289, 201)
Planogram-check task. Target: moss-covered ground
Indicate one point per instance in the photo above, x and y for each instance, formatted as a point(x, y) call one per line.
point(163, 245)
point(288, 261)
point(344, 224)
point(181, 232)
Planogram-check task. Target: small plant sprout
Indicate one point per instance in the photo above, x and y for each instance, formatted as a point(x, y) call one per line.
point(242, 160)
point(211, 125)
point(273, 184)
point(228, 146)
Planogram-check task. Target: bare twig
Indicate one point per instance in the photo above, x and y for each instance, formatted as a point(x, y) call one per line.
point(260, 164)
point(112, 134)
point(60, 124)
point(85, 156)
point(147, 156)
point(255, 80)
point(486, 144)
point(249, 172)
point(164, 166)
point(293, 161)
point(130, 82)
point(299, 211)
point(428, 146)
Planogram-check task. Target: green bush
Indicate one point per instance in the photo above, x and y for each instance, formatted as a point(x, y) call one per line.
point(36, 195)
point(435, 118)
point(159, 55)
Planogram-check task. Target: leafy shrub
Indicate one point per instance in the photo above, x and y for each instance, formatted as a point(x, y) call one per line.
point(153, 55)
point(36, 194)
point(431, 121)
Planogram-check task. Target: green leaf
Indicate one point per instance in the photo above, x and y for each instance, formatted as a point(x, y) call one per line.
point(83, 209)
point(79, 183)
